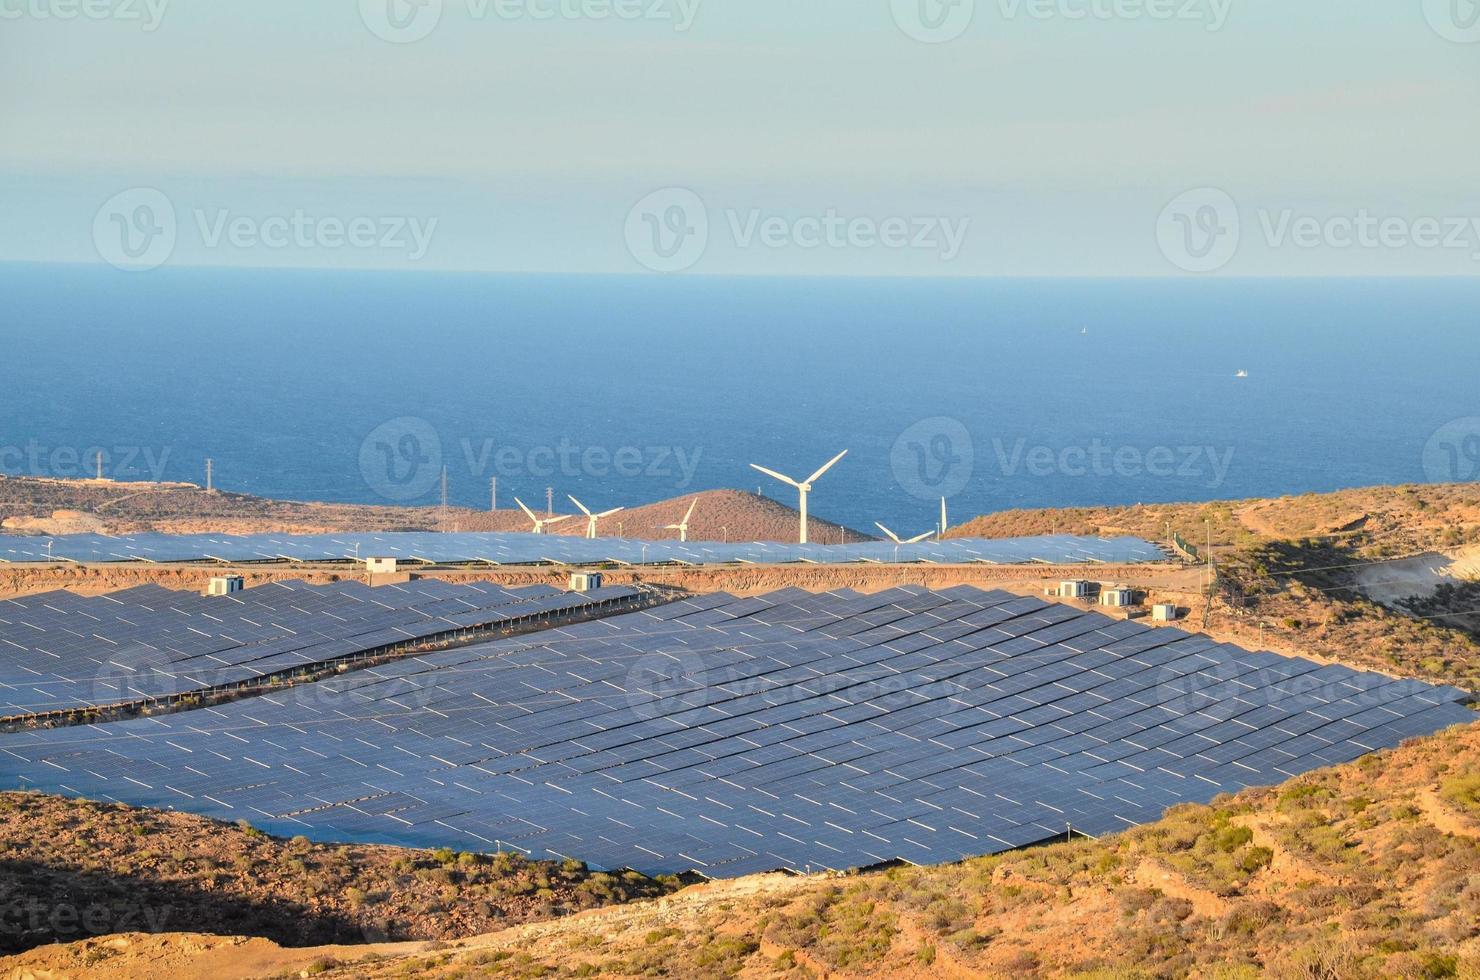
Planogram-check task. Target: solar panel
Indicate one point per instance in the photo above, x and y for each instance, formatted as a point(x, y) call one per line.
point(726, 735)
point(492, 548)
point(60, 651)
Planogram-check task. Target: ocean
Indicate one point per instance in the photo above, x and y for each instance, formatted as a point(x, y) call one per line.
point(363, 387)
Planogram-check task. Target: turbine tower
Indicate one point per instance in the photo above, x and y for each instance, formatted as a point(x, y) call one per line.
point(591, 518)
point(804, 487)
point(540, 523)
point(682, 527)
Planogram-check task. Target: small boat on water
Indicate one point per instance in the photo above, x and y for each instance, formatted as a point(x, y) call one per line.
point(1242, 374)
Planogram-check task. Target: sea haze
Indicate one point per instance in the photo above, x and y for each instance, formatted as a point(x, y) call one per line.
point(353, 386)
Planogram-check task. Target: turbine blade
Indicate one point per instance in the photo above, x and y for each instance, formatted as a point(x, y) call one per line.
point(557, 520)
point(826, 466)
point(919, 537)
point(580, 505)
point(773, 473)
point(614, 510)
point(527, 512)
point(692, 505)
point(891, 535)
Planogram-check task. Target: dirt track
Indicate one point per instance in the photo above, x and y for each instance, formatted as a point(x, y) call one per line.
point(1167, 580)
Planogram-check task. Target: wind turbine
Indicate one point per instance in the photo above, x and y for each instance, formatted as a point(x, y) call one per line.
point(540, 523)
point(591, 518)
point(682, 527)
point(804, 487)
point(896, 538)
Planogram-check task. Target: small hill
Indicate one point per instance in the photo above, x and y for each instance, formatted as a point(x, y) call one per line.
point(1368, 870)
point(46, 506)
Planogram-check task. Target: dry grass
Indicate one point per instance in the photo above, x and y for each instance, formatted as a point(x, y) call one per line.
point(71, 868)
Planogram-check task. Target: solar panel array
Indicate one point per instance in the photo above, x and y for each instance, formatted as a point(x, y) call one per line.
point(735, 735)
point(60, 651)
point(525, 549)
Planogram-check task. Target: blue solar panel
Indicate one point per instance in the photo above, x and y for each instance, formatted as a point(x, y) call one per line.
point(525, 549)
point(60, 651)
point(737, 735)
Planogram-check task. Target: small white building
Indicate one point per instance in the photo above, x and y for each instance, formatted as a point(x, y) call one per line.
point(1073, 589)
point(1117, 595)
point(585, 581)
point(1164, 612)
point(226, 584)
point(380, 566)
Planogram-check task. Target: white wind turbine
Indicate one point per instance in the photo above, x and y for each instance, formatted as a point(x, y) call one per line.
point(682, 527)
point(804, 487)
point(591, 518)
point(896, 538)
point(540, 523)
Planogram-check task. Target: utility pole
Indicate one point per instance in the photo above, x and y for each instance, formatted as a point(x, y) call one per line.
point(100, 465)
point(444, 495)
point(549, 501)
point(493, 493)
point(210, 487)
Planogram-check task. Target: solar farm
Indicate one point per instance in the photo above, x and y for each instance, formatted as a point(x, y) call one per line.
point(730, 735)
point(61, 652)
point(437, 548)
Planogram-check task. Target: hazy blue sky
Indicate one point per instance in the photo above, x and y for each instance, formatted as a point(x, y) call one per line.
point(1044, 137)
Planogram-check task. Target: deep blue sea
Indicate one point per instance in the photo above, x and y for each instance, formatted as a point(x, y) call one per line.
point(354, 386)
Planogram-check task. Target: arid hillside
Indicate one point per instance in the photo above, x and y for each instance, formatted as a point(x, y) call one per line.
point(1369, 870)
point(1380, 521)
point(36, 506)
point(74, 868)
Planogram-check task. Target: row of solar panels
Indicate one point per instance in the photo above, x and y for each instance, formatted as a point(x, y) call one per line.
point(60, 651)
point(525, 549)
point(737, 735)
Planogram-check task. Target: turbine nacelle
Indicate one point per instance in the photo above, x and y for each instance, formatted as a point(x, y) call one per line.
point(804, 487)
point(591, 518)
point(896, 538)
point(682, 527)
point(540, 523)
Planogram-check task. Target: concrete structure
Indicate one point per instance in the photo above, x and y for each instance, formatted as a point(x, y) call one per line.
point(1073, 589)
point(226, 584)
point(584, 581)
point(1164, 612)
point(1117, 595)
point(380, 566)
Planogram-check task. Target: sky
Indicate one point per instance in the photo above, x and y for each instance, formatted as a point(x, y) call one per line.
point(748, 137)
